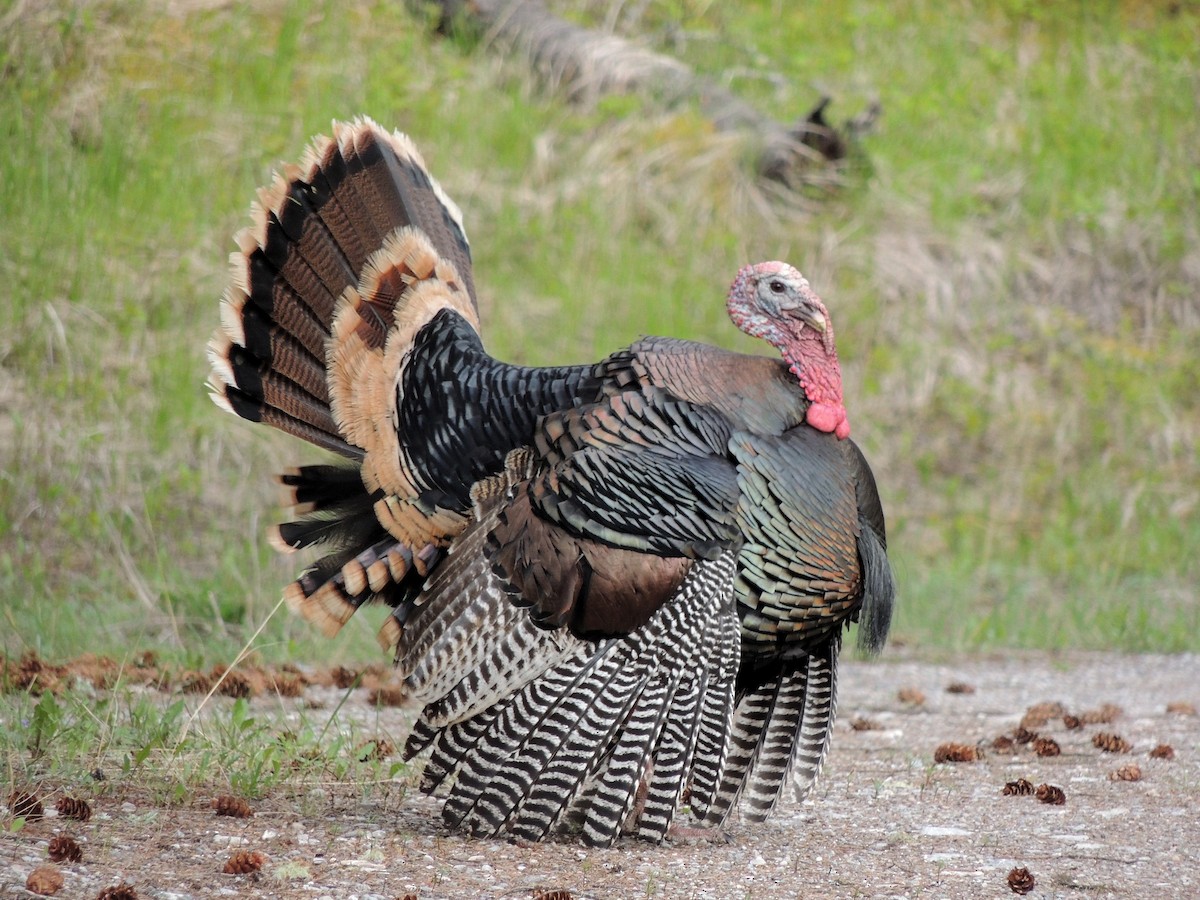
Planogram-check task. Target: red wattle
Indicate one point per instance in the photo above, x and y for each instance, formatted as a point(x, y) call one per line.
point(825, 417)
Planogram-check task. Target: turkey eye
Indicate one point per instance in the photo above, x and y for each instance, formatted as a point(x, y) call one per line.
point(777, 287)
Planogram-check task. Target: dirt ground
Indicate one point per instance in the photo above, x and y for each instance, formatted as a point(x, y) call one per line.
point(886, 820)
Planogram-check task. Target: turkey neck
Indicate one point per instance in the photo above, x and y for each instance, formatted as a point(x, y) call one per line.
point(756, 393)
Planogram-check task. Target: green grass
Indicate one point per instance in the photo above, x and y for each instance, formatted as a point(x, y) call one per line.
point(123, 741)
point(1012, 269)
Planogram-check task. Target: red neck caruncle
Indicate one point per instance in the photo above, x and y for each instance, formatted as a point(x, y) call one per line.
point(813, 359)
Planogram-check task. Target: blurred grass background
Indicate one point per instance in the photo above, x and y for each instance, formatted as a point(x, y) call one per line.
point(1013, 267)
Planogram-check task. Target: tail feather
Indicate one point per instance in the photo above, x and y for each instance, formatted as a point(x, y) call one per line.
point(319, 487)
point(297, 250)
point(419, 198)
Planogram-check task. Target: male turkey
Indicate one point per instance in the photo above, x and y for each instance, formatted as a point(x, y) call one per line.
point(616, 589)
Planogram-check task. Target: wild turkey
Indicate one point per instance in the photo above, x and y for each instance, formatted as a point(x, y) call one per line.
point(617, 588)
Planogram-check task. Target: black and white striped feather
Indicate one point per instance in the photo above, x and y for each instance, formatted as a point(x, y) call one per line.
point(572, 744)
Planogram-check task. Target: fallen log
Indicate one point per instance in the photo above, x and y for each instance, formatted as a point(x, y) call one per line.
point(585, 64)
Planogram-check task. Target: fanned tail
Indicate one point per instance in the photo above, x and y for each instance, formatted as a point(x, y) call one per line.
point(348, 255)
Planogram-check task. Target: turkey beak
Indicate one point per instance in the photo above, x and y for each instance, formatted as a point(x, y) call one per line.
point(812, 318)
point(815, 319)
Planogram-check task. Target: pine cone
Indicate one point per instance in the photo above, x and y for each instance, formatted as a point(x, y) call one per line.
point(25, 805)
point(195, 683)
point(862, 723)
point(232, 806)
point(244, 862)
point(1021, 881)
point(71, 808)
point(63, 848)
point(539, 894)
point(1163, 751)
point(120, 891)
point(955, 753)
point(1038, 715)
point(1019, 788)
point(232, 684)
point(1110, 742)
point(1049, 793)
point(910, 695)
point(1024, 735)
point(960, 687)
point(1129, 772)
point(386, 696)
point(44, 880)
point(1044, 746)
point(1106, 714)
point(1181, 708)
point(1004, 744)
point(286, 685)
point(343, 677)
point(1048, 709)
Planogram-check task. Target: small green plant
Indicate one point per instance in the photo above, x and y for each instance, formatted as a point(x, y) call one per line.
point(43, 725)
point(153, 728)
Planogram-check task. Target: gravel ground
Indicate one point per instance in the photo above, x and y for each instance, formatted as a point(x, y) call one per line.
point(886, 820)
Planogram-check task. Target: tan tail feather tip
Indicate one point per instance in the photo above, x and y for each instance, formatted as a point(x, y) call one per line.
point(316, 157)
point(216, 393)
point(388, 635)
point(424, 558)
point(324, 608)
point(272, 196)
point(379, 575)
point(397, 564)
point(254, 235)
point(247, 238)
point(221, 372)
point(233, 301)
point(295, 598)
point(287, 493)
point(334, 603)
point(354, 577)
point(275, 539)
